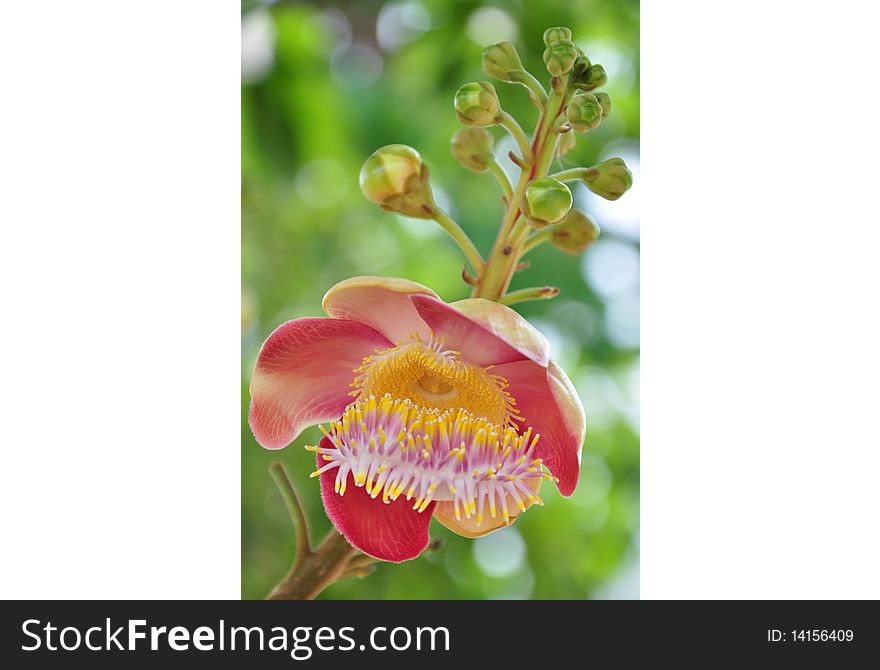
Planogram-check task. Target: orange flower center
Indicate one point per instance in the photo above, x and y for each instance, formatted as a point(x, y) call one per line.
point(435, 378)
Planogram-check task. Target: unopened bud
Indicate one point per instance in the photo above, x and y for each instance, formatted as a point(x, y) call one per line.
point(502, 62)
point(576, 233)
point(559, 57)
point(580, 67)
point(555, 34)
point(593, 77)
point(547, 202)
point(610, 179)
point(396, 179)
point(584, 112)
point(604, 100)
point(472, 147)
point(476, 104)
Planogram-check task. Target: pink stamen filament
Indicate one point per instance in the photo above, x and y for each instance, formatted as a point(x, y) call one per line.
point(395, 447)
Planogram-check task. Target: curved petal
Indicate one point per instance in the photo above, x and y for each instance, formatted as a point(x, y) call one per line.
point(477, 344)
point(507, 324)
point(445, 515)
point(549, 404)
point(391, 531)
point(380, 302)
point(303, 375)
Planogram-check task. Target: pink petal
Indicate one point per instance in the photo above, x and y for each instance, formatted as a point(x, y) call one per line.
point(390, 532)
point(380, 302)
point(477, 344)
point(549, 404)
point(303, 375)
point(507, 324)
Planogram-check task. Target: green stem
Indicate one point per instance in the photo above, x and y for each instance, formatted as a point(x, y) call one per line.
point(518, 134)
point(530, 82)
point(511, 236)
point(572, 174)
point(535, 293)
point(464, 242)
point(295, 509)
point(501, 177)
point(536, 240)
point(312, 570)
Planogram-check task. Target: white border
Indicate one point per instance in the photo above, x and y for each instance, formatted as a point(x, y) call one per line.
point(120, 275)
point(760, 330)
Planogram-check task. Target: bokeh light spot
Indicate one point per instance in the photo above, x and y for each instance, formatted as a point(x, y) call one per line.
point(488, 25)
point(257, 45)
point(622, 321)
point(334, 26)
point(500, 554)
point(400, 23)
point(611, 268)
point(356, 67)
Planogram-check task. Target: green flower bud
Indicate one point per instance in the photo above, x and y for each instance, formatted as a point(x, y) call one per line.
point(584, 112)
point(559, 57)
point(610, 179)
point(567, 142)
point(552, 35)
point(595, 77)
point(576, 233)
point(547, 201)
point(472, 147)
point(396, 179)
point(581, 65)
point(502, 62)
point(476, 104)
point(604, 100)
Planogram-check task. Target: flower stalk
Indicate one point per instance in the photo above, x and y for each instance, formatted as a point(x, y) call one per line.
point(461, 238)
point(502, 179)
point(518, 134)
point(509, 244)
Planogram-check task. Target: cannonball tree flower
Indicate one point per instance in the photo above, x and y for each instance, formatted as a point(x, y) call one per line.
point(454, 411)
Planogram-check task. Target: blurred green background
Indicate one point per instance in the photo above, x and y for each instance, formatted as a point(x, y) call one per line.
point(325, 84)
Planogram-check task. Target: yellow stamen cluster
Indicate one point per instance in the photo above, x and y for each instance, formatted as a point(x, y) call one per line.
point(435, 378)
point(395, 447)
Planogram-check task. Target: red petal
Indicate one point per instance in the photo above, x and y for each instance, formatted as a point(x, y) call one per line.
point(303, 375)
point(394, 532)
point(476, 343)
point(549, 404)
